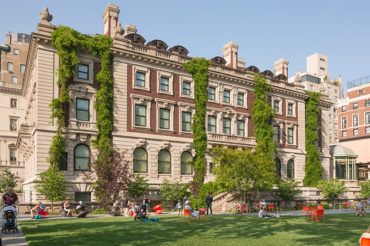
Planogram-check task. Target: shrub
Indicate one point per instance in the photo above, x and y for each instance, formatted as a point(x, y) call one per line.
point(200, 201)
point(287, 190)
point(332, 189)
point(365, 189)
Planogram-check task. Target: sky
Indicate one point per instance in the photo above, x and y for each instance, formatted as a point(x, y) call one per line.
point(265, 30)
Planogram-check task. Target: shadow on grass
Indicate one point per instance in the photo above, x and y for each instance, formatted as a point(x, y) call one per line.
point(220, 230)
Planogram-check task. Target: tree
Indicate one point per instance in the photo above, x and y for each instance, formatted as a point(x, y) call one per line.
point(332, 189)
point(7, 180)
point(137, 186)
point(173, 191)
point(245, 171)
point(365, 189)
point(200, 200)
point(52, 185)
point(287, 190)
point(113, 176)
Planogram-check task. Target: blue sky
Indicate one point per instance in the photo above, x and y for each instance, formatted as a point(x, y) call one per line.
point(265, 30)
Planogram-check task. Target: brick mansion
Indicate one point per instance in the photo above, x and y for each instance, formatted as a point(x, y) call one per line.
point(153, 109)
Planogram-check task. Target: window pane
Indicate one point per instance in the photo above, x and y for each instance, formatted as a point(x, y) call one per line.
point(290, 171)
point(23, 68)
point(83, 72)
point(82, 157)
point(226, 96)
point(186, 166)
point(227, 126)
point(10, 66)
point(140, 161)
point(164, 161)
point(164, 118)
point(278, 167)
point(367, 118)
point(277, 134)
point(83, 104)
point(276, 106)
point(140, 115)
point(83, 196)
point(186, 88)
point(240, 99)
point(240, 125)
point(290, 135)
point(14, 79)
point(164, 84)
point(16, 52)
point(211, 93)
point(82, 151)
point(82, 109)
point(140, 79)
point(186, 121)
point(212, 124)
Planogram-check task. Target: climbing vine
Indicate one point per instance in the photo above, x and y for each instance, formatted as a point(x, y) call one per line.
point(198, 68)
point(313, 168)
point(69, 43)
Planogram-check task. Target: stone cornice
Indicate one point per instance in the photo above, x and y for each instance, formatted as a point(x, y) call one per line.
point(12, 91)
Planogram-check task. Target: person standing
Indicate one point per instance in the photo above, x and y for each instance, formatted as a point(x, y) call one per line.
point(184, 201)
point(10, 198)
point(209, 200)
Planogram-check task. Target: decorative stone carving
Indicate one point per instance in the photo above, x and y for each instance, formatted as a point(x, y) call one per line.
point(83, 138)
point(118, 30)
point(45, 16)
point(322, 89)
point(297, 79)
point(130, 29)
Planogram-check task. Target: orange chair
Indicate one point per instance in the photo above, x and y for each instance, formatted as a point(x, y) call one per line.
point(365, 241)
point(272, 207)
point(202, 211)
point(187, 212)
point(158, 209)
point(244, 209)
point(258, 206)
point(320, 208)
point(307, 210)
point(319, 212)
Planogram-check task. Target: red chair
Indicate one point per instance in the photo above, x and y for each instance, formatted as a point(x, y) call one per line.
point(244, 209)
point(345, 205)
point(307, 210)
point(272, 207)
point(158, 209)
point(258, 206)
point(187, 212)
point(202, 211)
point(365, 241)
point(320, 208)
point(319, 212)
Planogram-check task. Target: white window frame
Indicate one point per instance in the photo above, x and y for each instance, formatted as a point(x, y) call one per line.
point(366, 123)
point(214, 85)
point(90, 63)
point(344, 117)
point(16, 124)
point(275, 98)
point(189, 80)
point(140, 69)
point(161, 74)
point(245, 98)
point(358, 120)
point(290, 125)
point(185, 107)
point(245, 120)
point(294, 108)
point(354, 129)
point(230, 89)
point(141, 100)
point(367, 130)
point(344, 134)
point(165, 104)
point(281, 125)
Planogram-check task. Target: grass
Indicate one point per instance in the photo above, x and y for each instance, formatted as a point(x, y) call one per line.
point(219, 230)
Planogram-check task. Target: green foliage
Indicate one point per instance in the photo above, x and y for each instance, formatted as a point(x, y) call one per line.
point(287, 190)
point(137, 186)
point(200, 200)
point(7, 180)
point(332, 189)
point(173, 190)
point(313, 168)
point(365, 189)
point(198, 68)
point(52, 185)
point(243, 170)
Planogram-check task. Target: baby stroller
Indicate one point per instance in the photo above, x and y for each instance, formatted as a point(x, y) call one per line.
point(140, 212)
point(9, 221)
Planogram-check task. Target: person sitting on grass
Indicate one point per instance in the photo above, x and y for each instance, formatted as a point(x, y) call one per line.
point(365, 234)
point(116, 210)
point(262, 213)
point(194, 213)
point(67, 208)
point(81, 207)
point(39, 209)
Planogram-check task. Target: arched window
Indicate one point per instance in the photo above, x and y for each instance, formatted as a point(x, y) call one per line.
point(278, 167)
point(164, 162)
point(290, 169)
point(186, 163)
point(82, 157)
point(140, 160)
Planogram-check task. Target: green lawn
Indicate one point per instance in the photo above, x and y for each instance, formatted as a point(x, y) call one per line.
point(219, 230)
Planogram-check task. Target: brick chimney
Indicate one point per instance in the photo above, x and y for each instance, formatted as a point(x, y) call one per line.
point(230, 53)
point(110, 18)
point(281, 67)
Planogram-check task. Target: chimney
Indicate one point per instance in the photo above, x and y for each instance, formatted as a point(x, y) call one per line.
point(130, 29)
point(110, 18)
point(281, 67)
point(241, 63)
point(9, 38)
point(230, 54)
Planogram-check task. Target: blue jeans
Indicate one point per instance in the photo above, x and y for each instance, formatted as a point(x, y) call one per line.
point(209, 206)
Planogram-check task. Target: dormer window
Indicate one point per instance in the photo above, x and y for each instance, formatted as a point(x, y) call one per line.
point(83, 71)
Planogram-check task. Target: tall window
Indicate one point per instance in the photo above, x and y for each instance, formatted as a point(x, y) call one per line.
point(82, 109)
point(278, 167)
point(164, 162)
point(140, 115)
point(186, 121)
point(22, 68)
point(367, 118)
point(164, 86)
point(240, 99)
point(276, 106)
point(344, 122)
point(355, 120)
point(290, 169)
point(344, 108)
point(13, 154)
point(367, 103)
point(226, 96)
point(82, 157)
point(83, 71)
point(10, 66)
point(211, 93)
point(140, 79)
point(355, 105)
point(240, 128)
point(13, 102)
point(63, 162)
point(277, 134)
point(290, 136)
point(140, 160)
point(164, 118)
point(13, 124)
point(186, 163)
point(186, 88)
point(290, 108)
point(212, 124)
point(226, 122)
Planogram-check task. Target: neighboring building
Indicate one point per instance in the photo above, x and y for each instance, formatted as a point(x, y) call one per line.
point(317, 79)
point(12, 67)
point(354, 127)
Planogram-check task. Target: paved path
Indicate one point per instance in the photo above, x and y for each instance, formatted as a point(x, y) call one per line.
point(16, 239)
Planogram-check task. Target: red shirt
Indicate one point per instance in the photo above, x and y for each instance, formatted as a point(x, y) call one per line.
point(10, 199)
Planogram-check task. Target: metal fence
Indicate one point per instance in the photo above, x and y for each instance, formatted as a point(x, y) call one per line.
point(358, 82)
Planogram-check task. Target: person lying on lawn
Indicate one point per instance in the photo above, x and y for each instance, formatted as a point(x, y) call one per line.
point(194, 213)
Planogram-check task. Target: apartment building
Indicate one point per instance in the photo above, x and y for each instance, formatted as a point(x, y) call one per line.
point(13, 56)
